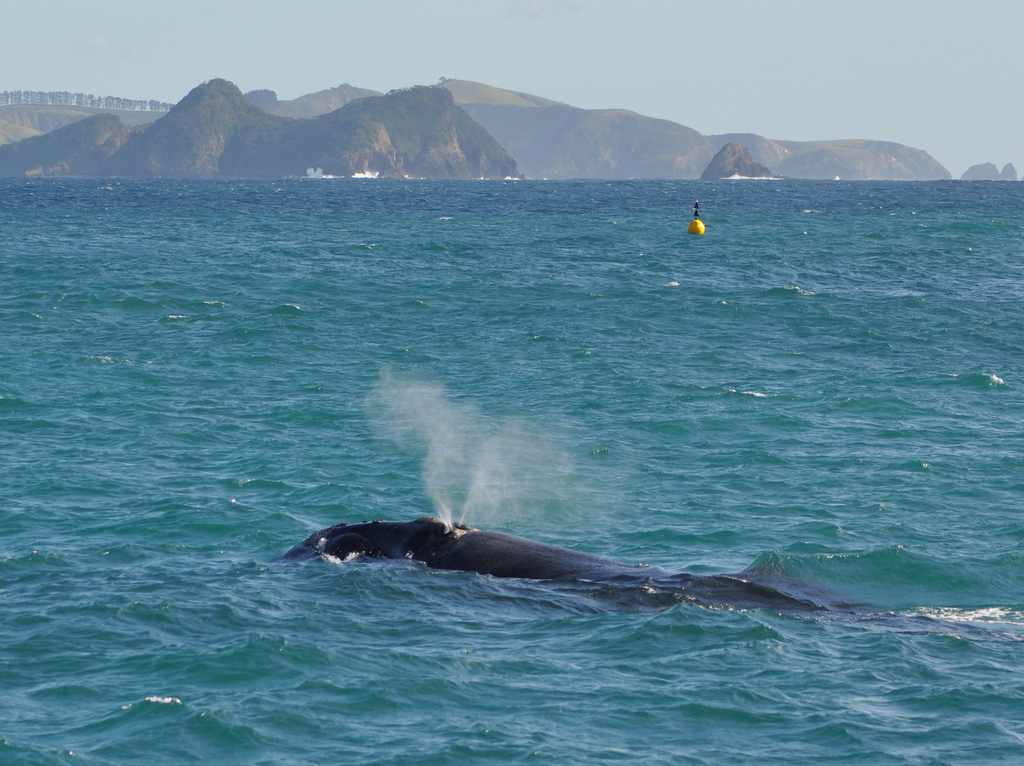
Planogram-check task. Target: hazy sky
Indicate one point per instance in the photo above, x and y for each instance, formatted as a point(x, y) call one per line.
point(940, 75)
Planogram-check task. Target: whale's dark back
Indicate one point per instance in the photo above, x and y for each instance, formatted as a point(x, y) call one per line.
point(437, 544)
point(378, 539)
point(503, 555)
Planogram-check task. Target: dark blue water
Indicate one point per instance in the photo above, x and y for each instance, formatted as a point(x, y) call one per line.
point(826, 387)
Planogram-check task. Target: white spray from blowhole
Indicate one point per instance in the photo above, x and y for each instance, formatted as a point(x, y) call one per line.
point(476, 469)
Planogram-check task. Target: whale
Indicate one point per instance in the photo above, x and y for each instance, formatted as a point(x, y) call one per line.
point(437, 544)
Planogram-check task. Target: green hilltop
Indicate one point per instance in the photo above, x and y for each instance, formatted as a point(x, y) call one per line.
point(190, 138)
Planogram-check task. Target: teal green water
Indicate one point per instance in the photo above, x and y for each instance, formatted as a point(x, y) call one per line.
point(826, 386)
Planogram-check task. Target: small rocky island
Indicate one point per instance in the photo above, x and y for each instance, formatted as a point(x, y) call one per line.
point(989, 172)
point(734, 160)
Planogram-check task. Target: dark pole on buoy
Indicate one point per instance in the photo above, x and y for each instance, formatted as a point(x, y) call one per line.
point(696, 225)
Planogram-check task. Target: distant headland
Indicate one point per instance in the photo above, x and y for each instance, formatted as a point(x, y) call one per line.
point(454, 129)
point(217, 131)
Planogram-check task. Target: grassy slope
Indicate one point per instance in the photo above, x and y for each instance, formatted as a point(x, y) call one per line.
point(322, 102)
point(469, 92)
point(47, 118)
point(11, 132)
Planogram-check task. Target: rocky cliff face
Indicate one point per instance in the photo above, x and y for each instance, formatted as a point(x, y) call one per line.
point(734, 160)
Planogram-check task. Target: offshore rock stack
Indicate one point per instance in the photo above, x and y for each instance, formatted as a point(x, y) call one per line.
point(734, 160)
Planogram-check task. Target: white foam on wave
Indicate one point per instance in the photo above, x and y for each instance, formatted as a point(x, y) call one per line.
point(102, 359)
point(755, 394)
point(799, 290)
point(317, 173)
point(988, 615)
point(993, 380)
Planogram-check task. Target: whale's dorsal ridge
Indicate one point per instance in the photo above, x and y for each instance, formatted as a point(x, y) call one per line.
point(439, 544)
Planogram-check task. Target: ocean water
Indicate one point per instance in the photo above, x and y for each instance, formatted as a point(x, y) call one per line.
point(827, 387)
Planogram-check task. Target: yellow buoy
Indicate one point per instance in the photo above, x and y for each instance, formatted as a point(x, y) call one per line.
point(696, 225)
